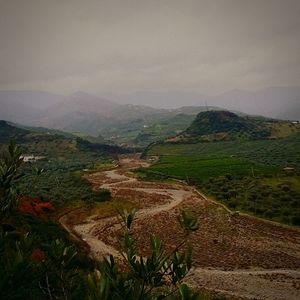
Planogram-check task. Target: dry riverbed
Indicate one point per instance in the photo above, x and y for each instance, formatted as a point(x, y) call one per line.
point(237, 256)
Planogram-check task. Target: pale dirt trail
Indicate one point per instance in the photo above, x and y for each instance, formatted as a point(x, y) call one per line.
point(277, 284)
point(85, 230)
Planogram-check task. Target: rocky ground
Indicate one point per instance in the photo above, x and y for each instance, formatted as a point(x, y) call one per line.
point(234, 255)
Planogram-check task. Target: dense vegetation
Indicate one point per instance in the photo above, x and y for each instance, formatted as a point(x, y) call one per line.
point(57, 176)
point(225, 125)
point(246, 176)
point(212, 122)
point(8, 131)
point(37, 261)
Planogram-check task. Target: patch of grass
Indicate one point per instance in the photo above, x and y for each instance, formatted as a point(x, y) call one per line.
point(198, 168)
point(279, 152)
point(246, 176)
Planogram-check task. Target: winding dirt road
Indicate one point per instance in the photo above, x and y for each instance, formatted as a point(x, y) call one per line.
point(235, 256)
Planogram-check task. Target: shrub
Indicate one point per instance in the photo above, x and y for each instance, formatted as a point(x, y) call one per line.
point(9, 165)
point(145, 275)
point(295, 220)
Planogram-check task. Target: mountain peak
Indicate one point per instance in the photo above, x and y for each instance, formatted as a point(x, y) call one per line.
point(82, 94)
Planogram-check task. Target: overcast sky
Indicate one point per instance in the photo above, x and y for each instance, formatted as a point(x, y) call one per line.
point(125, 46)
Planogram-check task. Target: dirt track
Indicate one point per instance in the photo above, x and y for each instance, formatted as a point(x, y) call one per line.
point(234, 255)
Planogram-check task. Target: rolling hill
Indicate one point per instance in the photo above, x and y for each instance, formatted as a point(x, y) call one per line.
point(8, 131)
point(251, 164)
point(128, 124)
point(226, 125)
point(53, 144)
point(86, 114)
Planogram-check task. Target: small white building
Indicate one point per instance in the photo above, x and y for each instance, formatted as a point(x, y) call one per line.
point(31, 158)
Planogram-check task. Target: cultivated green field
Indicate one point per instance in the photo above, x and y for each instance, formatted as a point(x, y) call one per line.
point(197, 167)
point(279, 152)
point(247, 176)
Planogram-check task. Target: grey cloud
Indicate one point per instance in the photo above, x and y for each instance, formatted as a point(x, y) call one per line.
point(129, 45)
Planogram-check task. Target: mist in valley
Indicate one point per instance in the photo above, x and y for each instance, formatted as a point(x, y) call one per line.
point(236, 55)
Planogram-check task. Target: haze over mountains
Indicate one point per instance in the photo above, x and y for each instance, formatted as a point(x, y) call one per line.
point(274, 102)
point(92, 114)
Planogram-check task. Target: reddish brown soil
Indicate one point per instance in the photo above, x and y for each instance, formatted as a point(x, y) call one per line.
point(225, 245)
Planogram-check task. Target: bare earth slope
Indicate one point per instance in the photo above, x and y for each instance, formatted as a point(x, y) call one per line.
point(234, 255)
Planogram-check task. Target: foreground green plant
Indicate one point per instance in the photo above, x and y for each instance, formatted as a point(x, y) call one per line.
point(35, 264)
point(157, 276)
point(9, 164)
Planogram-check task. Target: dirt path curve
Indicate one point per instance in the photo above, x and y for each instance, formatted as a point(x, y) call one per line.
point(277, 284)
point(113, 181)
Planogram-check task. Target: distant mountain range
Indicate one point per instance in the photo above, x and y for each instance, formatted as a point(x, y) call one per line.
point(24, 106)
point(273, 102)
point(92, 115)
point(135, 122)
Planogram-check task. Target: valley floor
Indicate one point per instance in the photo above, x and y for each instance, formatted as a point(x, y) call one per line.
point(235, 255)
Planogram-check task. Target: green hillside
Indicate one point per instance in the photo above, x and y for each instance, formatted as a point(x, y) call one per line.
point(141, 125)
point(51, 142)
point(7, 132)
point(258, 176)
point(62, 157)
point(226, 125)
